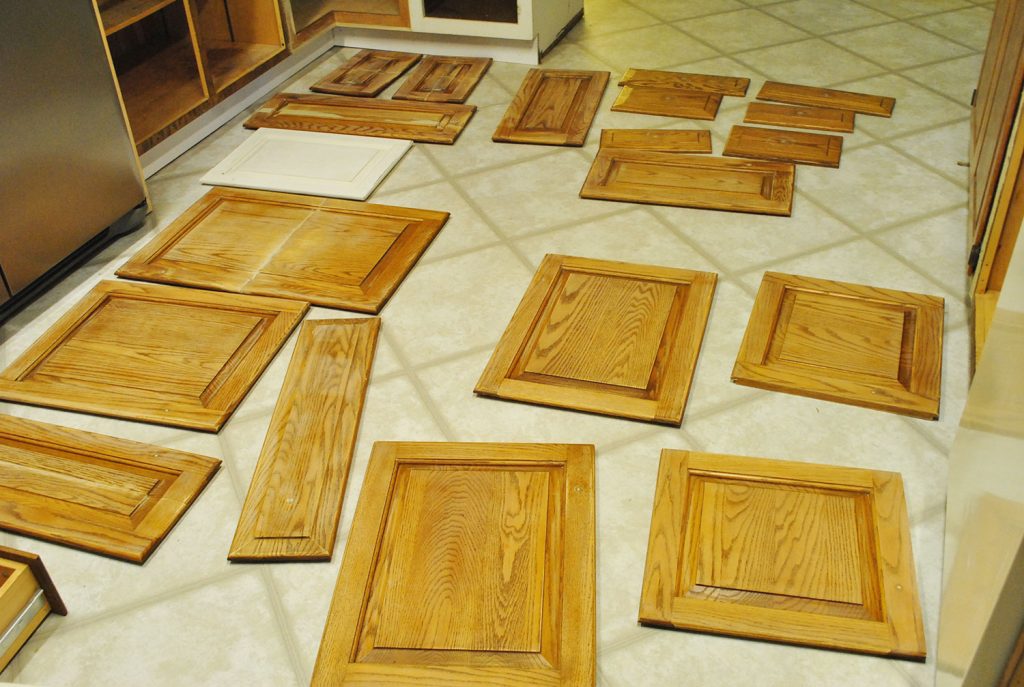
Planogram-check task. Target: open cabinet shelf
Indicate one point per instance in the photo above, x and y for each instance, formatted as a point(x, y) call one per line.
point(119, 14)
point(237, 37)
point(393, 13)
point(161, 89)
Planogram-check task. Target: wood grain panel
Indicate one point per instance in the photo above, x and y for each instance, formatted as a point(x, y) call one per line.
point(668, 102)
point(294, 502)
point(110, 496)
point(605, 337)
point(710, 183)
point(335, 114)
point(790, 552)
point(863, 103)
point(801, 147)
point(849, 343)
point(160, 354)
point(704, 83)
point(553, 107)
point(366, 73)
point(443, 79)
point(693, 141)
point(334, 253)
point(467, 564)
point(800, 117)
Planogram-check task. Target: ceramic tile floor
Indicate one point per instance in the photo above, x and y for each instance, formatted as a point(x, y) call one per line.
point(893, 215)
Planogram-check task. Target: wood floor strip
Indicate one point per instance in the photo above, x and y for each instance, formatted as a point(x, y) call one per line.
point(333, 253)
point(694, 141)
point(443, 79)
point(97, 493)
point(693, 181)
point(467, 564)
point(366, 73)
point(800, 117)
point(705, 83)
point(668, 102)
point(153, 353)
point(863, 103)
point(294, 502)
point(821, 150)
point(553, 107)
point(335, 114)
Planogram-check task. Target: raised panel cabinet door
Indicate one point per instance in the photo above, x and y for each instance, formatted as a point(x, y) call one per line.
point(366, 73)
point(782, 551)
point(336, 114)
point(467, 564)
point(443, 79)
point(800, 117)
point(821, 150)
point(553, 107)
point(162, 354)
point(291, 511)
point(863, 103)
point(333, 253)
point(691, 181)
point(706, 83)
point(668, 102)
point(606, 337)
point(669, 141)
point(863, 345)
point(109, 496)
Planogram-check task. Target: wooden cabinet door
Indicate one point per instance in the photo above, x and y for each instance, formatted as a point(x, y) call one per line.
point(553, 107)
point(667, 102)
point(367, 73)
point(704, 83)
point(801, 147)
point(444, 79)
point(467, 564)
point(864, 103)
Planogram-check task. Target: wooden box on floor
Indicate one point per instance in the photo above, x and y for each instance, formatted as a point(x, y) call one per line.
point(27, 596)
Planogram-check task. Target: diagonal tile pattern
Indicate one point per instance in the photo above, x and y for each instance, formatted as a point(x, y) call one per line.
point(892, 215)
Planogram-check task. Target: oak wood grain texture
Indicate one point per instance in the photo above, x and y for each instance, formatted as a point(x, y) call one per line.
point(863, 103)
point(443, 79)
point(800, 117)
point(336, 114)
point(782, 551)
point(821, 150)
point(668, 102)
point(694, 141)
point(467, 564)
point(110, 496)
point(705, 83)
point(366, 73)
point(334, 253)
point(153, 353)
point(606, 337)
point(39, 571)
point(291, 511)
point(711, 183)
point(553, 107)
point(862, 345)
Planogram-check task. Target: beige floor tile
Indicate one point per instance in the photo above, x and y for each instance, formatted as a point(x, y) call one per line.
point(742, 30)
point(955, 78)
point(905, 9)
point(943, 149)
point(916, 108)
point(898, 46)
point(826, 16)
point(936, 245)
point(568, 55)
point(812, 62)
point(654, 47)
point(671, 10)
point(610, 16)
point(416, 169)
point(969, 26)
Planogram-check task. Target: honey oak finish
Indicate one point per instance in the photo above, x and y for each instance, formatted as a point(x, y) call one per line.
point(334, 253)
point(366, 73)
point(668, 102)
point(27, 597)
point(467, 564)
point(782, 551)
point(110, 496)
point(443, 79)
point(335, 114)
point(821, 150)
point(294, 502)
point(800, 117)
point(553, 107)
point(705, 83)
point(691, 181)
point(863, 103)
point(694, 141)
point(862, 345)
point(606, 337)
point(160, 354)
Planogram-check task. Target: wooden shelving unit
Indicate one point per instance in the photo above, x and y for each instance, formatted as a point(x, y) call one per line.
point(162, 89)
point(120, 14)
point(306, 13)
point(237, 37)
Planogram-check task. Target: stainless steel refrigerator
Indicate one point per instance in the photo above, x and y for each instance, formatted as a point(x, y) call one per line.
point(69, 182)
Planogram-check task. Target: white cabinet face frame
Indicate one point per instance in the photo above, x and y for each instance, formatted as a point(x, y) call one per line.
point(521, 30)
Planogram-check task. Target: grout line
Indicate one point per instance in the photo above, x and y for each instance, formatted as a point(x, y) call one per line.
point(284, 626)
point(421, 390)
